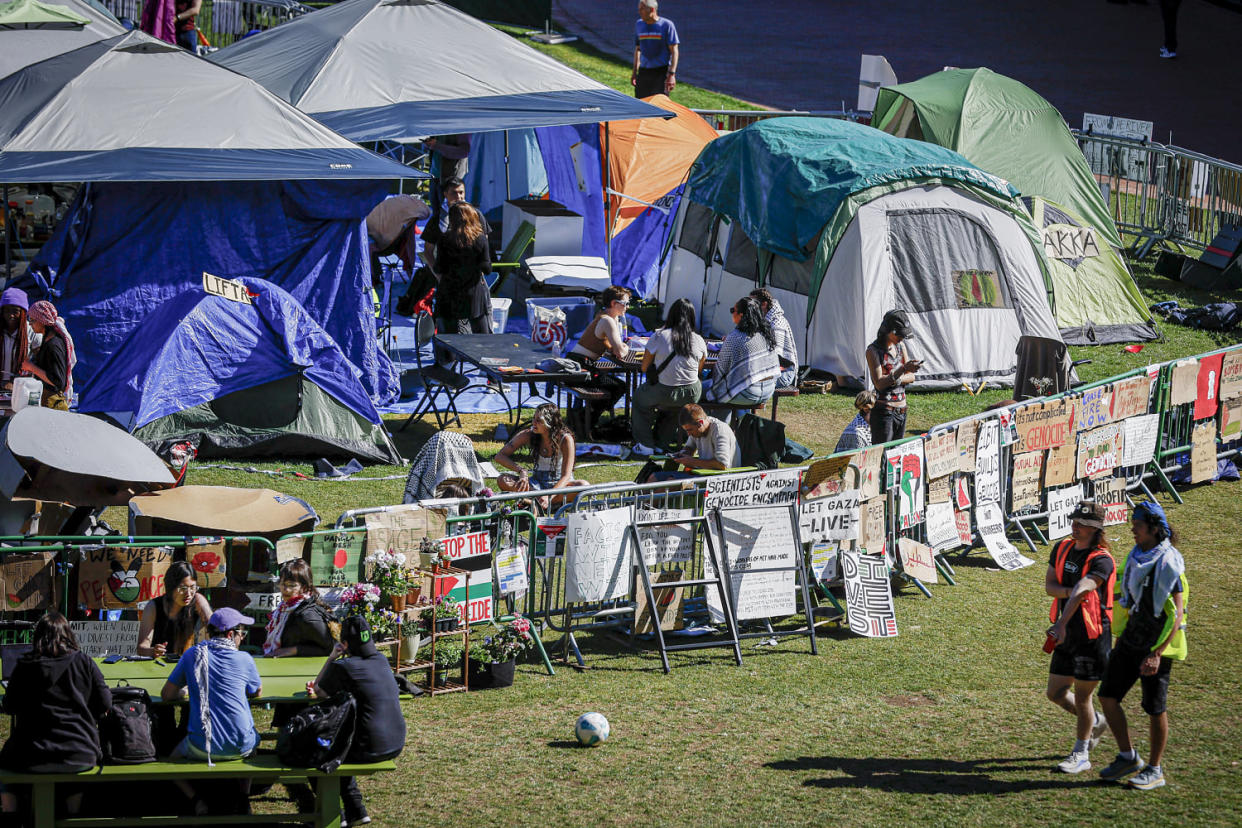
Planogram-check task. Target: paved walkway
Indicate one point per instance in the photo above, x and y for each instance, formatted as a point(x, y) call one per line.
point(1082, 55)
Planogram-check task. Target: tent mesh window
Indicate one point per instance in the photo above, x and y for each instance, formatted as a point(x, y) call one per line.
point(944, 259)
point(696, 230)
point(742, 258)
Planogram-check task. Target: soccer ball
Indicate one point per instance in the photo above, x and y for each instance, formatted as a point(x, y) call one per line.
point(591, 729)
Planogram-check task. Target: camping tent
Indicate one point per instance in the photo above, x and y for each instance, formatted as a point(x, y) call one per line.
point(241, 379)
point(400, 70)
point(843, 222)
point(22, 46)
point(1096, 300)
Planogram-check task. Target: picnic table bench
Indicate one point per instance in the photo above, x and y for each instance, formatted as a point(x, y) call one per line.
point(261, 767)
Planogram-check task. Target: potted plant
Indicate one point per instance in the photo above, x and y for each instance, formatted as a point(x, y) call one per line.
point(502, 647)
point(389, 573)
point(363, 599)
point(448, 656)
point(442, 616)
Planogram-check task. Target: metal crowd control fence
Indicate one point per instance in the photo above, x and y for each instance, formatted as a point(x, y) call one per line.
point(223, 22)
point(735, 119)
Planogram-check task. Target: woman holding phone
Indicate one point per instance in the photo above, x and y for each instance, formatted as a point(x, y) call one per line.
point(891, 371)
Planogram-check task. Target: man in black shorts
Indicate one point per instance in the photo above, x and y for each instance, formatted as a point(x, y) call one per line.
point(1148, 644)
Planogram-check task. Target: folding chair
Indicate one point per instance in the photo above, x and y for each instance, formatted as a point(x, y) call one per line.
point(511, 257)
point(432, 379)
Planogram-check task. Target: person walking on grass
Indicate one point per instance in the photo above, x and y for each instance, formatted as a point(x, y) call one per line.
point(1080, 578)
point(656, 52)
point(1150, 640)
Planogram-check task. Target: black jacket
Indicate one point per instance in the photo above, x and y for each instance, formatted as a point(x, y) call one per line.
point(56, 704)
point(307, 629)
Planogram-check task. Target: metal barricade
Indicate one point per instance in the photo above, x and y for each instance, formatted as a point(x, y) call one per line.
point(224, 22)
point(731, 120)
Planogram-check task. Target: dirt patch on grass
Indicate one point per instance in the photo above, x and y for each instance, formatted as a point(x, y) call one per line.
point(910, 700)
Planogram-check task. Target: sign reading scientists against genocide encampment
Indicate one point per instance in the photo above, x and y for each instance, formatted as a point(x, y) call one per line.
point(765, 488)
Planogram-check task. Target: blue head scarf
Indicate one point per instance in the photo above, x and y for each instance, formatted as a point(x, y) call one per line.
point(1152, 512)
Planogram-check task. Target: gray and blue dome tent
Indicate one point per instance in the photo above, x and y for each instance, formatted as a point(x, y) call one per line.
point(239, 379)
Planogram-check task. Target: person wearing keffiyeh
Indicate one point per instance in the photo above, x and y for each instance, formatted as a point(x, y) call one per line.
point(53, 362)
point(1153, 592)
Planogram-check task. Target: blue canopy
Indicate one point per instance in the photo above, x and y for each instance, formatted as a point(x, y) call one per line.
point(196, 347)
point(126, 249)
point(785, 178)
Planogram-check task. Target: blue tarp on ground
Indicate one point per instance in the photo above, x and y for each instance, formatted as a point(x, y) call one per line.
point(126, 249)
point(196, 348)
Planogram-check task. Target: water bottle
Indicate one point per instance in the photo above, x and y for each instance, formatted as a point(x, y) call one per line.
point(558, 347)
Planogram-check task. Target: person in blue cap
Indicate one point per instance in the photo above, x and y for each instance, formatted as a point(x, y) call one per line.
point(1152, 590)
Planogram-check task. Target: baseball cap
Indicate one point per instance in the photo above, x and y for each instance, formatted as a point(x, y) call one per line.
point(228, 618)
point(1088, 513)
point(898, 322)
point(356, 634)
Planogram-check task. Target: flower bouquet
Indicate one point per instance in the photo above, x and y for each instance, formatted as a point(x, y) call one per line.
point(363, 599)
point(389, 573)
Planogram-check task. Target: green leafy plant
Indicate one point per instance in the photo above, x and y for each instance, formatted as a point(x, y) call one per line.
point(448, 654)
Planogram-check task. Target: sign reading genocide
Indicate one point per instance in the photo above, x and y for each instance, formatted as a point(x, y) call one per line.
point(597, 556)
point(1025, 489)
point(112, 577)
point(666, 542)
point(101, 638)
point(830, 518)
point(1231, 374)
point(757, 543)
point(941, 454)
point(27, 580)
point(765, 488)
point(1139, 442)
point(904, 475)
point(1111, 494)
point(917, 560)
point(1044, 426)
point(1184, 381)
point(1060, 465)
point(1203, 452)
point(987, 463)
point(1131, 397)
point(1100, 450)
point(941, 530)
point(1061, 503)
point(992, 529)
point(966, 440)
point(868, 595)
point(1092, 408)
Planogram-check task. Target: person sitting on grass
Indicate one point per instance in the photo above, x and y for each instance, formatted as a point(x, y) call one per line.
point(552, 446)
point(711, 445)
point(857, 434)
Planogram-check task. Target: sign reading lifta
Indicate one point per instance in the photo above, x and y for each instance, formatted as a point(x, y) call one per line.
point(226, 289)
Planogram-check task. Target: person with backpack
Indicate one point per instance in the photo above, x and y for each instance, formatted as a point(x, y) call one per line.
point(673, 364)
point(357, 667)
point(1149, 642)
point(57, 697)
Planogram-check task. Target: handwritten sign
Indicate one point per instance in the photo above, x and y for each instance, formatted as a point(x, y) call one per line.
point(597, 556)
point(987, 463)
point(868, 596)
point(262, 602)
point(868, 462)
point(917, 560)
point(761, 556)
point(871, 526)
point(336, 557)
point(669, 603)
point(1100, 450)
point(1061, 465)
point(940, 489)
point(904, 468)
point(229, 289)
point(1111, 494)
point(289, 549)
point(1231, 374)
point(1203, 452)
point(116, 577)
point(1025, 489)
point(1184, 381)
point(992, 530)
point(402, 527)
point(1092, 408)
point(101, 638)
point(1206, 385)
point(966, 440)
point(827, 477)
point(941, 454)
point(830, 518)
point(1139, 442)
point(1230, 421)
point(940, 528)
point(666, 542)
point(1131, 397)
point(1061, 503)
point(961, 517)
point(1044, 426)
point(510, 566)
point(26, 580)
point(766, 488)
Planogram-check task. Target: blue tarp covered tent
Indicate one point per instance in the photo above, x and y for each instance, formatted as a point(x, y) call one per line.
point(171, 379)
point(126, 249)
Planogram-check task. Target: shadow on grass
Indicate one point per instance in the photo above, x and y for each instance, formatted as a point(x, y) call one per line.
point(931, 776)
point(565, 744)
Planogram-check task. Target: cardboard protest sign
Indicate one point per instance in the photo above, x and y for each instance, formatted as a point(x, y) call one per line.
point(940, 489)
point(26, 580)
point(992, 530)
point(597, 556)
point(1044, 426)
point(763, 488)
point(1203, 452)
point(987, 463)
point(336, 557)
point(669, 604)
point(824, 561)
point(961, 492)
point(1139, 441)
point(666, 542)
point(758, 542)
point(867, 463)
point(1131, 397)
point(1184, 381)
point(1206, 384)
point(871, 526)
point(402, 527)
point(940, 528)
point(111, 577)
point(1231, 374)
point(511, 576)
point(1100, 450)
point(830, 518)
point(1111, 494)
point(827, 477)
point(101, 638)
point(1230, 420)
point(868, 596)
point(549, 537)
point(905, 475)
point(260, 603)
point(207, 556)
point(941, 450)
point(961, 517)
point(917, 560)
point(1061, 503)
point(1093, 407)
point(1061, 465)
point(1025, 487)
point(290, 549)
point(966, 440)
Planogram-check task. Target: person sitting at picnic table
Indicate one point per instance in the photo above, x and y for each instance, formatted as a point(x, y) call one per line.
point(786, 346)
point(678, 353)
point(176, 620)
point(603, 337)
point(356, 667)
point(53, 362)
point(891, 371)
point(857, 434)
point(711, 445)
point(463, 301)
point(552, 446)
point(301, 624)
point(747, 367)
point(57, 697)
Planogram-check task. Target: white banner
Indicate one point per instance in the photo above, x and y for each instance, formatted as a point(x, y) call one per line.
point(1061, 503)
point(756, 542)
point(1138, 447)
point(833, 518)
point(991, 522)
point(868, 595)
point(987, 463)
point(765, 488)
point(597, 556)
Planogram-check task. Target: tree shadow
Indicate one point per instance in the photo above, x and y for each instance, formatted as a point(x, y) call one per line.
point(931, 776)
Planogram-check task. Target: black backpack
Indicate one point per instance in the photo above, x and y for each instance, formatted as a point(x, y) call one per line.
point(127, 732)
point(320, 735)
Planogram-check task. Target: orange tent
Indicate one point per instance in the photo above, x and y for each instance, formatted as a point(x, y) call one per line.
point(649, 157)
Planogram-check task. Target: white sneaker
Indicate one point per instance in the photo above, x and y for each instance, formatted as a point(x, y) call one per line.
point(1097, 731)
point(1165, 53)
point(1075, 763)
point(642, 451)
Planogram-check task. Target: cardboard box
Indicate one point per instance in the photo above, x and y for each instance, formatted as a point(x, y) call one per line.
point(220, 510)
point(112, 577)
point(27, 580)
